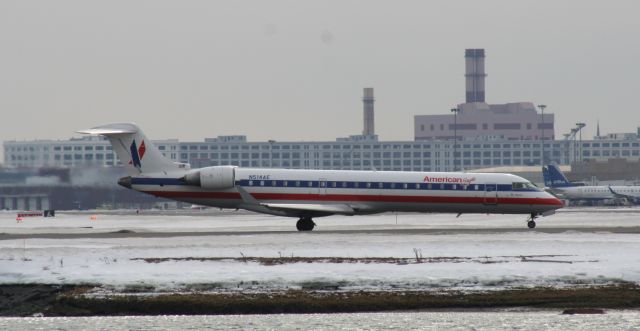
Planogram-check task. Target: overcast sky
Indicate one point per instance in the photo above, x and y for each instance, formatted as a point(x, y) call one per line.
point(294, 70)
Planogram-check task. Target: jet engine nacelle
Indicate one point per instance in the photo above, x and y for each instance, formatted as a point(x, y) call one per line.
point(214, 178)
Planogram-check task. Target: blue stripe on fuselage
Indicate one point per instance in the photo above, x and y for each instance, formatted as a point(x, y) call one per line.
point(340, 185)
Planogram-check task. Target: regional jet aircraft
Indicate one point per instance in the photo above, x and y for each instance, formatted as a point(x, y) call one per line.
point(306, 194)
point(558, 183)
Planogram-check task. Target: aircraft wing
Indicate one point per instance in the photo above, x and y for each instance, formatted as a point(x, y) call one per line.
point(341, 209)
point(250, 203)
point(629, 198)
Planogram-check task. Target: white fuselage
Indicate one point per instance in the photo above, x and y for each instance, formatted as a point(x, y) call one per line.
point(597, 192)
point(365, 192)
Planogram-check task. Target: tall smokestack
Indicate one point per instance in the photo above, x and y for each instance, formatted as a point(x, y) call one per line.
point(367, 102)
point(474, 73)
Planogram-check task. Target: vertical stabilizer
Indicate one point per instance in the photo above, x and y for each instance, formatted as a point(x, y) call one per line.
point(553, 177)
point(137, 153)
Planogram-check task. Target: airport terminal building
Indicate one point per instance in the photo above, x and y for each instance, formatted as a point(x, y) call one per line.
point(353, 153)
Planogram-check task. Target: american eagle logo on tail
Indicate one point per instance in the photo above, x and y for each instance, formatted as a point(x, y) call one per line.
point(137, 153)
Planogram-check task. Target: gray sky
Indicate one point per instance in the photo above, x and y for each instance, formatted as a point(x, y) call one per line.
point(294, 70)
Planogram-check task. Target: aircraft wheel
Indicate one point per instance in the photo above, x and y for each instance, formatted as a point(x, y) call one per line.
point(531, 224)
point(305, 224)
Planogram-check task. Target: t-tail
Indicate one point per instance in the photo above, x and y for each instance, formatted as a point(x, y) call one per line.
point(137, 153)
point(553, 177)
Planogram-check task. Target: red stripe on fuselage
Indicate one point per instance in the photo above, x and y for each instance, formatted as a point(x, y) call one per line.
point(354, 197)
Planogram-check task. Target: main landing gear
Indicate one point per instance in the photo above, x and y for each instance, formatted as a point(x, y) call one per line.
point(531, 221)
point(305, 224)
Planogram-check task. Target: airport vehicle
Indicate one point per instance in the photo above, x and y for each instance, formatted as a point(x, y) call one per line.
point(558, 184)
point(306, 194)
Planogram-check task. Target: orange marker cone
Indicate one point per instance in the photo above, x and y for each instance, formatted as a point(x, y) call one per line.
point(94, 217)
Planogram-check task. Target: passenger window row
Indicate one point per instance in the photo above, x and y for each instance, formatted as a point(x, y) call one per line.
point(525, 186)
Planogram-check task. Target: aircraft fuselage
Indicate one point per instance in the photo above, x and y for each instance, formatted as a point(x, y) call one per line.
point(365, 192)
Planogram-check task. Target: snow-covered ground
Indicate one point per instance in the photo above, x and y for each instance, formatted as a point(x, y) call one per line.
point(488, 259)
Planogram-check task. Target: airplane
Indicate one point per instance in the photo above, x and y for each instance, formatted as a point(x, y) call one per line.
point(558, 184)
point(307, 194)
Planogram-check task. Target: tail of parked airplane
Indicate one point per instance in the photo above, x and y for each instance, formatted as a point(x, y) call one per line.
point(553, 177)
point(137, 153)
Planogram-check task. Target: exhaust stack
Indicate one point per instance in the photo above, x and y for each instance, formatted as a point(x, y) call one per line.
point(367, 103)
point(475, 75)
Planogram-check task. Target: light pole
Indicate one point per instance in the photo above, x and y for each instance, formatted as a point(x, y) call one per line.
point(542, 107)
point(580, 126)
point(455, 136)
point(573, 136)
point(567, 154)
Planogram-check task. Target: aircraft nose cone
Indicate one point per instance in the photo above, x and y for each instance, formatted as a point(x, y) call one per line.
point(555, 202)
point(125, 182)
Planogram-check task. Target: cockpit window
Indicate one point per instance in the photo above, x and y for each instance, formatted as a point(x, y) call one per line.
point(523, 186)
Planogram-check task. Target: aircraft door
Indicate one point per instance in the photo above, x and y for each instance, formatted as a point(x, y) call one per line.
point(490, 194)
point(322, 186)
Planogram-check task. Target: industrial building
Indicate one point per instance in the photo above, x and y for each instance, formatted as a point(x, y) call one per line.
point(477, 120)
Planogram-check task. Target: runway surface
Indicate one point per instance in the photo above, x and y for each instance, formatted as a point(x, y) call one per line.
point(167, 224)
point(226, 251)
point(319, 232)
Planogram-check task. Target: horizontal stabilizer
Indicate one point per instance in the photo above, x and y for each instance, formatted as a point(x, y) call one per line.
point(104, 132)
point(111, 129)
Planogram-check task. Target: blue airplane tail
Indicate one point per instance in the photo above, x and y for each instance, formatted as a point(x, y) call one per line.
point(553, 177)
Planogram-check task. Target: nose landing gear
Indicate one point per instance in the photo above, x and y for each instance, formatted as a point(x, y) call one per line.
point(305, 224)
point(531, 223)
